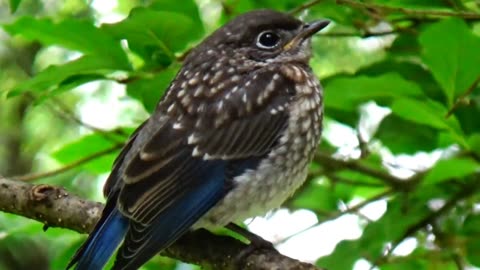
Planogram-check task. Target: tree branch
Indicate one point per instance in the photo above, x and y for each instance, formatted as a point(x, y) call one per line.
point(55, 207)
point(411, 12)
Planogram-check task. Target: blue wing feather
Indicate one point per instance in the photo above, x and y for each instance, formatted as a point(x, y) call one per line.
point(144, 241)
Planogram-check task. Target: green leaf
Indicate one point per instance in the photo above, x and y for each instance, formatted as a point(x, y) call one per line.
point(349, 118)
point(429, 113)
point(87, 146)
point(473, 251)
point(450, 169)
point(315, 197)
point(418, 138)
point(348, 92)
point(406, 45)
point(76, 35)
point(365, 186)
point(68, 84)
point(474, 143)
point(415, 3)
point(454, 61)
point(149, 90)
point(416, 264)
point(410, 71)
point(188, 8)
point(344, 256)
point(343, 15)
point(14, 5)
point(467, 113)
point(84, 69)
point(391, 227)
point(471, 225)
point(64, 255)
point(155, 33)
point(426, 113)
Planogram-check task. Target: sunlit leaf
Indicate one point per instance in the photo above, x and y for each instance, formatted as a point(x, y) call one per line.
point(91, 145)
point(347, 93)
point(363, 185)
point(428, 113)
point(474, 143)
point(76, 35)
point(151, 37)
point(455, 61)
point(409, 70)
point(66, 76)
point(14, 5)
point(450, 169)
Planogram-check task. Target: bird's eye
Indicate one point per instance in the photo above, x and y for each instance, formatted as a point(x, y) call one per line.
point(268, 40)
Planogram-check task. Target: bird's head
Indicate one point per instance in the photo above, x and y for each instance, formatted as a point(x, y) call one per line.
point(264, 36)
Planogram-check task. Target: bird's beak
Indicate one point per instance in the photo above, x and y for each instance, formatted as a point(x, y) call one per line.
point(308, 30)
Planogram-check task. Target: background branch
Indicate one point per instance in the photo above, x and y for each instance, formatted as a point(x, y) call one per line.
point(392, 181)
point(70, 166)
point(411, 12)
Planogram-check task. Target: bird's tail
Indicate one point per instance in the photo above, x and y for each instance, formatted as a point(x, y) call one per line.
point(102, 242)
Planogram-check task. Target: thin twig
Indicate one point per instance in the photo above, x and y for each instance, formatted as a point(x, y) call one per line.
point(337, 214)
point(400, 184)
point(35, 176)
point(338, 179)
point(304, 6)
point(461, 99)
point(357, 34)
point(312, 173)
point(466, 191)
point(411, 12)
point(63, 111)
point(443, 243)
point(457, 259)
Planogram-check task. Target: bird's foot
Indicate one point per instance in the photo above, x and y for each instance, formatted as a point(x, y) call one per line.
point(256, 243)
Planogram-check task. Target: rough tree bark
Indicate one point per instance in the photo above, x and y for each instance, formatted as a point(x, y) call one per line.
point(55, 207)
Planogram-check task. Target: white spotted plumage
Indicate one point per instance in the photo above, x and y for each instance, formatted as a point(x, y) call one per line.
point(280, 174)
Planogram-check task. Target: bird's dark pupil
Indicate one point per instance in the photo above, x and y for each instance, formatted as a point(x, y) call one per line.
point(268, 39)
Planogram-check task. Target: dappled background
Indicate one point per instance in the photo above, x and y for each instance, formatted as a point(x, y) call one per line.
point(394, 184)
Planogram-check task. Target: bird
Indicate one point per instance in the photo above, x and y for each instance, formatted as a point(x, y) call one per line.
point(231, 138)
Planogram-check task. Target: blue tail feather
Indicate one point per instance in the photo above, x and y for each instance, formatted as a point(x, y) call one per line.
point(103, 242)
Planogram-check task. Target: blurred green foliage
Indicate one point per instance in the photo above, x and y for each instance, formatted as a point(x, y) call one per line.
point(418, 59)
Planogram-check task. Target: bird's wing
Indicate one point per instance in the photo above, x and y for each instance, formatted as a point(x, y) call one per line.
point(181, 162)
point(115, 177)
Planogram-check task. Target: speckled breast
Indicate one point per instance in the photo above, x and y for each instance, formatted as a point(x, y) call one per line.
point(285, 169)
